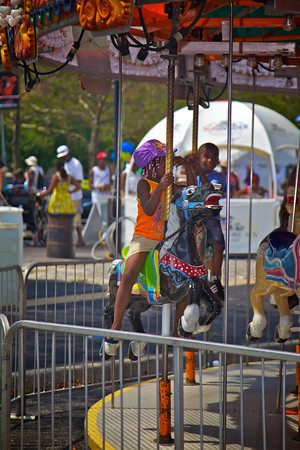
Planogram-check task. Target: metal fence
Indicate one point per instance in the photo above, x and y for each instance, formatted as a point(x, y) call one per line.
point(73, 293)
point(235, 405)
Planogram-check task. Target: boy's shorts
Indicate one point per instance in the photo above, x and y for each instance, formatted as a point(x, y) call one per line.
point(140, 244)
point(214, 230)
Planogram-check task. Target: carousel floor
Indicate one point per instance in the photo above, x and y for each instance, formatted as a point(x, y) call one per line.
point(252, 413)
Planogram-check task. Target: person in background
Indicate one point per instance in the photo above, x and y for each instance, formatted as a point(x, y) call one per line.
point(2, 174)
point(74, 168)
point(34, 175)
point(204, 163)
point(132, 176)
point(257, 190)
point(61, 201)
point(99, 178)
point(19, 177)
point(234, 179)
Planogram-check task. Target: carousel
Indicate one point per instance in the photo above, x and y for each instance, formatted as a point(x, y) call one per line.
point(191, 46)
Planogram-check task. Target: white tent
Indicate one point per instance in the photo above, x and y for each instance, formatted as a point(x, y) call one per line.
point(273, 134)
point(275, 140)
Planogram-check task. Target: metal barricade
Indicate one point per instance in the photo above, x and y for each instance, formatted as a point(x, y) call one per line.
point(232, 405)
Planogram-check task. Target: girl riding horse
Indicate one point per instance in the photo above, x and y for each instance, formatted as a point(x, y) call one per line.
point(149, 230)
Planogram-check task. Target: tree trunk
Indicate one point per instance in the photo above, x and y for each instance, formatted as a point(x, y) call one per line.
point(93, 144)
point(15, 139)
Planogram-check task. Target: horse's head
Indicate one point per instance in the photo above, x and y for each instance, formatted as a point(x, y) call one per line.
point(198, 202)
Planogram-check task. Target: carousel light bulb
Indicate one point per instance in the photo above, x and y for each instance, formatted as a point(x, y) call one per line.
point(124, 48)
point(278, 61)
point(252, 62)
point(225, 60)
point(289, 23)
point(142, 55)
point(289, 83)
point(199, 61)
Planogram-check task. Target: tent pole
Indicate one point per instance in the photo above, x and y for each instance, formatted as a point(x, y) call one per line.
point(250, 199)
point(118, 100)
point(195, 107)
point(225, 328)
point(296, 190)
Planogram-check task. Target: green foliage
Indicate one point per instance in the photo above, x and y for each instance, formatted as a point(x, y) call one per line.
point(58, 111)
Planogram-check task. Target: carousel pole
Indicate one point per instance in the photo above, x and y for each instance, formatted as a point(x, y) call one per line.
point(190, 356)
point(165, 383)
point(225, 330)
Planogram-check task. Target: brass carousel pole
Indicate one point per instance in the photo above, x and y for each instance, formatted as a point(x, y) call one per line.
point(190, 356)
point(165, 384)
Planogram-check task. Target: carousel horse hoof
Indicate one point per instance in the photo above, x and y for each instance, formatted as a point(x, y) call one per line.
point(249, 336)
point(133, 350)
point(110, 346)
point(182, 332)
point(277, 338)
point(190, 317)
point(202, 328)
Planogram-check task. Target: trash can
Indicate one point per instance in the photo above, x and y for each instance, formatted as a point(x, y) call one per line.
point(11, 236)
point(11, 252)
point(61, 235)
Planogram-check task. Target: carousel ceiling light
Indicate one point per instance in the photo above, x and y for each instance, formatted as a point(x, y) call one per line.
point(252, 62)
point(278, 61)
point(124, 48)
point(289, 83)
point(142, 55)
point(199, 61)
point(289, 23)
point(225, 60)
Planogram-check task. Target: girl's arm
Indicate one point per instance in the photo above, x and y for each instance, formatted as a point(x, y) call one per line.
point(150, 202)
point(53, 183)
point(77, 185)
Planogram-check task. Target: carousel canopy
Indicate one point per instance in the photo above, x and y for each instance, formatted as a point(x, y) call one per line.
point(266, 35)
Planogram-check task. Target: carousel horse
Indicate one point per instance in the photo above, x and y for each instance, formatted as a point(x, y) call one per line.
point(174, 271)
point(277, 273)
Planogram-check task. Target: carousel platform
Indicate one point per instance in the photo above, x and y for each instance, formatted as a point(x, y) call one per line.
point(252, 412)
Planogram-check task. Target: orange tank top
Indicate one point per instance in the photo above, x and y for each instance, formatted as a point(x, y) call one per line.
point(151, 227)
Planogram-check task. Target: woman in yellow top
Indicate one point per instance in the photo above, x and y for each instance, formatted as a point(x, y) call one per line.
point(60, 201)
point(149, 230)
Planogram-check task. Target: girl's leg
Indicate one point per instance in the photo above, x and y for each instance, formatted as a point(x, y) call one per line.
point(132, 268)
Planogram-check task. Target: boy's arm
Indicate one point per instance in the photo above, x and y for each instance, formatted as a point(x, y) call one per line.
point(191, 179)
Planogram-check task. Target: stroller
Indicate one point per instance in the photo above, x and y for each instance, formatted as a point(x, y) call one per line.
point(34, 213)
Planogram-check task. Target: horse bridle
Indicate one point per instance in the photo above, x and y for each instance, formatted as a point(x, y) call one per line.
point(186, 205)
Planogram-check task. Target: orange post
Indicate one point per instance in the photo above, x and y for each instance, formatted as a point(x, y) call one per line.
point(165, 412)
point(190, 368)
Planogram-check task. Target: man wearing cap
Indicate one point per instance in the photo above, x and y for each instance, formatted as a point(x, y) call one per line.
point(32, 174)
point(99, 178)
point(74, 168)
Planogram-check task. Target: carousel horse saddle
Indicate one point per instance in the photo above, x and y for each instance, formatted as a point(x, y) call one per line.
point(280, 241)
point(281, 259)
point(148, 281)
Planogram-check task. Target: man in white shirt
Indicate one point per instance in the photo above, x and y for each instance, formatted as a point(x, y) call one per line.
point(32, 175)
point(74, 168)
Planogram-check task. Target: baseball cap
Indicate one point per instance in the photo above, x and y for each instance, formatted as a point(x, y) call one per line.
point(101, 155)
point(148, 151)
point(61, 151)
point(31, 161)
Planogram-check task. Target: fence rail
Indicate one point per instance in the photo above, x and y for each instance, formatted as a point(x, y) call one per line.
point(238, 393)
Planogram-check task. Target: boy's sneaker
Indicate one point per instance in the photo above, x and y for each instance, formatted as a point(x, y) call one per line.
point(110, 347)
point(217, 288)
